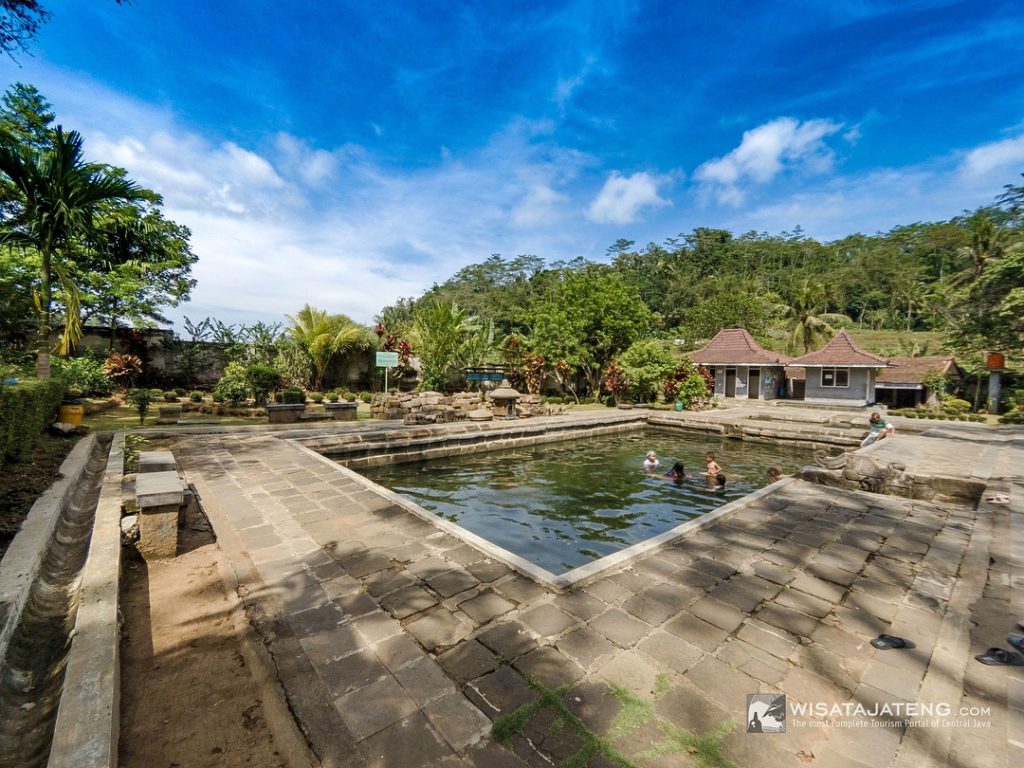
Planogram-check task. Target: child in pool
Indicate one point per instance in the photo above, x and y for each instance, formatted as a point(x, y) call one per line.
point(712, 470)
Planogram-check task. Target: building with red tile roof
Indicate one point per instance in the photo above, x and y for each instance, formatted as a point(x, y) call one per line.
point(741, 367)
point(902, 385)
point(840, 373)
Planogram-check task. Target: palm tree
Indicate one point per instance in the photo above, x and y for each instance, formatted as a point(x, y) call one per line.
point(57, 193)
point(988, 242)
point(441, 334)
point(325, 337)
point(806, 322)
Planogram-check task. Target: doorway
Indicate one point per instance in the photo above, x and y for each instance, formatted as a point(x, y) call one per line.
point(754, 383)
point(730, 382)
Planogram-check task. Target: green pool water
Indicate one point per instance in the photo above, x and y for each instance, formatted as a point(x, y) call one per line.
point(561, 505)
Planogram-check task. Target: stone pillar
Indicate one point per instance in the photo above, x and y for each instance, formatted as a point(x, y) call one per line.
point(995, 387)
point(161, 496)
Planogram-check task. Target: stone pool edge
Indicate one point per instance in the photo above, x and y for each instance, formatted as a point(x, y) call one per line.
point(572, 578)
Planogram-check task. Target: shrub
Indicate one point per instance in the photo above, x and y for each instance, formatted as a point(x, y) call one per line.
point(195, 396)
point(261, 379)
point(365, 396)
point(141, 399)
point(26, 409)
point(279, 397)
point(84, 374)
point(122, 369)
point(170, 396)
point(231, 390)
point(294, 397)
point(350, 397)
point(217, 397)
point(1013, 417)
point(333, 397)
point(955, 405)
point(180, 391)
point(317, 397)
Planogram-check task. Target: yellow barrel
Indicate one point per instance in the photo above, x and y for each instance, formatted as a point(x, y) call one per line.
point(71, 413)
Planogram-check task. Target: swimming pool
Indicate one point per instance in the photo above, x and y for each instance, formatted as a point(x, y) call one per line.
point(564, 504)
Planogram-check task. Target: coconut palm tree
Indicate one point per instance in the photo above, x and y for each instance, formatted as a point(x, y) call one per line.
point(325, 337)
point(806, 322)
point(56, 195)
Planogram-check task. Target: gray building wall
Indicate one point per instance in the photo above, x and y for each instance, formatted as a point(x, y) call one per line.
point(861, 390)
point(772, 377)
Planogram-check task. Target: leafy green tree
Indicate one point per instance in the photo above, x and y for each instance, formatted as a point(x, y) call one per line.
point(646, 364)
point(325, 337)
point(26, 118)
point(57, 194)
point(20, 21)
point(586, 317)
point(133, 263)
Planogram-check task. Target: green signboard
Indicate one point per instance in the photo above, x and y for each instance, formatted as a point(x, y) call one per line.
point(387, 359)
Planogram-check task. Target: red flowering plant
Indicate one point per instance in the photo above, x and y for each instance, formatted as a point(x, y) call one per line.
point(390, 342)
point(533, 372)
point(615, 381)
point(122, 369)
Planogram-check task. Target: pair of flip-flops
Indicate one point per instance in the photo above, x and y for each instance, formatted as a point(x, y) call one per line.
point(1001, 656)
point(887, 642)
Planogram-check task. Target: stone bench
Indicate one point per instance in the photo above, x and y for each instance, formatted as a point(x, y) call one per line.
point(343, 411)
point(315, 416)
point(161, 495)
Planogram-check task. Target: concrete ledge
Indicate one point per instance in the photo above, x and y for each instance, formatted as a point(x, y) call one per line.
point(428, 442)
point(159, 489)
point(87, 728)
point(156, 461)
point(24, 557)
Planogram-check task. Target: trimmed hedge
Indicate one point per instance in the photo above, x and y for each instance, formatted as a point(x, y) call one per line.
point(26, 410)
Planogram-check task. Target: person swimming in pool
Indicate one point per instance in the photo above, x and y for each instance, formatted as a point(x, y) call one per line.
point(651, 463)
point(677, 473)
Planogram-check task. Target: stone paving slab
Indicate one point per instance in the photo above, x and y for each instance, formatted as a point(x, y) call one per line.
point(424, 640)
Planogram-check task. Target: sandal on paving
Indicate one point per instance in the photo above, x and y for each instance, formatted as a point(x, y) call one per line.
point(885, 642)
point(995, 656)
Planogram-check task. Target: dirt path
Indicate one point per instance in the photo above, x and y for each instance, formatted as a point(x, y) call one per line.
point(193, 689)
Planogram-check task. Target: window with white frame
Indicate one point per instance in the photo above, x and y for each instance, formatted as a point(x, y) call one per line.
point(835, 377)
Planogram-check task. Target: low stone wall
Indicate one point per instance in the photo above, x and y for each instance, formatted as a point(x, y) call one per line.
point(438, 408)
point(389, 446)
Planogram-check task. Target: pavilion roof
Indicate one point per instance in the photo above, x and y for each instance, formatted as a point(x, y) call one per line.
point(735, 346)
point(841, 350)
point(912, 370)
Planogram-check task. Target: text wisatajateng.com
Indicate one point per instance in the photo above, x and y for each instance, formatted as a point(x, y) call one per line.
point(852, 714)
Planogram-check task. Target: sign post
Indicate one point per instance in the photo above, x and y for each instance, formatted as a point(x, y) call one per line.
point(387, 360)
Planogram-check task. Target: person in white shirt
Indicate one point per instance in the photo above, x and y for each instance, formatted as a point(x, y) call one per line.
point(651, 462)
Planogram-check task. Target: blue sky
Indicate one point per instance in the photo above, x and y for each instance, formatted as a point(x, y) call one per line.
point(348, 153)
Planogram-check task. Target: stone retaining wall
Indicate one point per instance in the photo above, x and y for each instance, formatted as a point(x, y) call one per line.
point(435, 407)
point(362, 449)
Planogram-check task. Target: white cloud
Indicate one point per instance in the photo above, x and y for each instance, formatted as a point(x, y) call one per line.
point(315, 167)
point(1006, 157)
point(622, 198)
point(879, 199)
point(764, 153)
point(540, 206)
